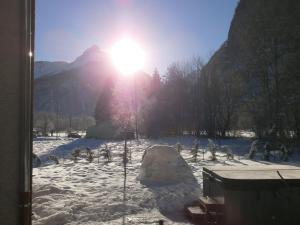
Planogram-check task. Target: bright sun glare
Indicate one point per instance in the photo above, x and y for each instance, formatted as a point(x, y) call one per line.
point(127, 56)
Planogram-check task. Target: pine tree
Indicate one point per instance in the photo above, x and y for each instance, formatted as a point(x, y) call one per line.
point(103, 107)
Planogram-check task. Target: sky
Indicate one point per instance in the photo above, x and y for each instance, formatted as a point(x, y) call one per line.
point(168, 30)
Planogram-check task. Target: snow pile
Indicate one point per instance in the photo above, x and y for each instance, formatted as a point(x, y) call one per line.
point(162, 164)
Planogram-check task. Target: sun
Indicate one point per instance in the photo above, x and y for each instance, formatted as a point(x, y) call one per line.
point(127, 56)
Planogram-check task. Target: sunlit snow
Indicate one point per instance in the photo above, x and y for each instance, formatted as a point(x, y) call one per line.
point(92, 193)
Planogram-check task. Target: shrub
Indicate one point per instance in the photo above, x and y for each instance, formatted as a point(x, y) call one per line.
point(54, 159)
point(212, 148)
point(36, 161)
point(89, 155)
point(253, 149)
point(195, 150)
point(179, 147)
point(75, 154)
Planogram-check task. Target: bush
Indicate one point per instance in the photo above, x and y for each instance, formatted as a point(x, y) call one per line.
point(75, 154)
point(253, 150)
point(179, 147)
point(36, 161)
point(89, 155)
point(212, 148)
point(54, 159)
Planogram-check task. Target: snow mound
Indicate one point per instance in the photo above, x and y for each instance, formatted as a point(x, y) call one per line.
point(163, 165)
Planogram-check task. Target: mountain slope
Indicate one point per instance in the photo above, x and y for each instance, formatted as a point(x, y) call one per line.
point(73, 91)
point(45, 68)
point(261, 55)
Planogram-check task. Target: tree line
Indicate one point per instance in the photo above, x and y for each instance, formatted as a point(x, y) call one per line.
point(202, 99)
point(251, 83)
point(47, 122)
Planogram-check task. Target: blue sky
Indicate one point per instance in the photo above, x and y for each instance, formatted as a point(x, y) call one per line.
point(168, 30)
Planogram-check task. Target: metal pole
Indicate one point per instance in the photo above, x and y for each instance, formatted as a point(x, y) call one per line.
point(136, 110)
point(125, 176)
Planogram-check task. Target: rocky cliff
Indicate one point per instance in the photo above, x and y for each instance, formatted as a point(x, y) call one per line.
point(260, 58)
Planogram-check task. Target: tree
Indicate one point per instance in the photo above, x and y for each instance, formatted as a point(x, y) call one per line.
point(44, 121)
point(103, 112)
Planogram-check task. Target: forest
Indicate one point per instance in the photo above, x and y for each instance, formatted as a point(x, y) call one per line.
point(251, 83)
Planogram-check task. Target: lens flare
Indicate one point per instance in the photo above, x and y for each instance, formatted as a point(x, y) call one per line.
point(127, 56)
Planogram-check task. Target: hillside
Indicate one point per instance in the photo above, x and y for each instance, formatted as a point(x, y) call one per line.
point(45, 68)
point(255, 74)
point(75, 90)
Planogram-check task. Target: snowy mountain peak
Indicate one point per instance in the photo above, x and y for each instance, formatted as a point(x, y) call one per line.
point(94, 49)
point(89, 55)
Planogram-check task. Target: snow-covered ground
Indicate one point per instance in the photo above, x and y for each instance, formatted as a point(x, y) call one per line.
point(92, 193)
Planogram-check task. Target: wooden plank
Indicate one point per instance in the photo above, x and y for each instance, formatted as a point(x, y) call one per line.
point(212, 201)
point(255, 168)
point(215, 204)
point(195, 210)
point(255, 172)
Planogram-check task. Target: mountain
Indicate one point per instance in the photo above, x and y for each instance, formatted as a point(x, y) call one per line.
point(257, 67)
point(45, 68)
point(259, 31)
point(92, 54)
point(74, 90)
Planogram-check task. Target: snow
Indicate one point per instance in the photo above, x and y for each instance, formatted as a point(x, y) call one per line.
point(92, 193)
point(162, 165)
